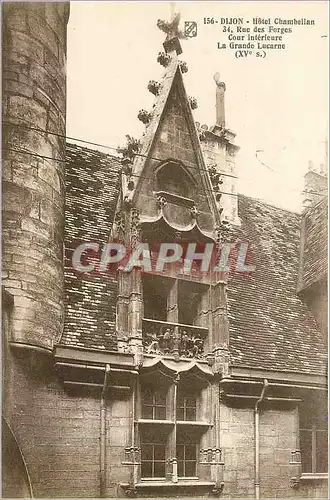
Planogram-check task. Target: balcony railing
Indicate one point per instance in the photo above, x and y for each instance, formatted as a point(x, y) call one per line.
point(162, 337)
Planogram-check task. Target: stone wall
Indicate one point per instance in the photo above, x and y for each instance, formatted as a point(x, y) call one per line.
point(34, 96)
point(278, 437)
point(58, 431)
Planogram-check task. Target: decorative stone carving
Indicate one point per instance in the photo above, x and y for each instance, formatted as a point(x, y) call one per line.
point(172, 340)
point(135, 227)
point(163, 59)
point(296, 468)
point(132, 455)
point(172, 475)
point(177, 236)
point(171, 28)
point(127, 166)
point(183, 66)
point(161, 201)
point(216, 178)
point(127, 202)
point(154, 87)
point(119, 226)
point(132, 147)
point(193, 102)
point(144, 116)
point(211, 456)
point(222, 232)
point(194, 212)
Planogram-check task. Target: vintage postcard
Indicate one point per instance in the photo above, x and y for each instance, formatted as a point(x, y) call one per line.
point(165, 243)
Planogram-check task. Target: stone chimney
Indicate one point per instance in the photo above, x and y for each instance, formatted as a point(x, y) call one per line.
point(220, 151)
point(316, 182)
point(220, 101)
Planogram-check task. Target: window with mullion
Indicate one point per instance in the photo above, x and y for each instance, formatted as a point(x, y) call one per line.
point(153, 444)
point(186, 407)
point(313, 439)
point(153, 460)
point(186, 456)
point(154, 404)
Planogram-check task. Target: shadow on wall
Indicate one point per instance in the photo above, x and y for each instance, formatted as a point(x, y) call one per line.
point(15, 477)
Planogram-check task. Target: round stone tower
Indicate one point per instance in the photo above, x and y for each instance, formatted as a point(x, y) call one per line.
point(34, 108)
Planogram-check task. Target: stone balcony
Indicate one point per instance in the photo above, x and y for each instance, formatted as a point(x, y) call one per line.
point(166, 338)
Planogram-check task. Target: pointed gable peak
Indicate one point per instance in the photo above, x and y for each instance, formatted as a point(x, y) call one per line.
point(170, 161)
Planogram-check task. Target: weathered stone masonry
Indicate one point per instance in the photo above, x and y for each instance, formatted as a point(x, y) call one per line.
point(34, 71)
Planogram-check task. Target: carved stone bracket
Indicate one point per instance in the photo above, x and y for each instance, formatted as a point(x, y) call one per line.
point(132, 455)
point(211, 456)
point(172, 474)
point(295, 467)
point(221, 360)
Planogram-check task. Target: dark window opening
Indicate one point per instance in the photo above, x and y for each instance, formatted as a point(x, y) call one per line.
point(186, 407)
point(189, 298)
point(173, 179)
point(186, 454)
point(154, 404)
point(153, 454)
point(155, 294)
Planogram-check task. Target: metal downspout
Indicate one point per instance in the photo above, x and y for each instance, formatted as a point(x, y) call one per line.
point(103, 433)
point(257, 440)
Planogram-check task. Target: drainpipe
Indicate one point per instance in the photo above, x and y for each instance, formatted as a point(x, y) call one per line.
point(257, 439)
point(103, 433)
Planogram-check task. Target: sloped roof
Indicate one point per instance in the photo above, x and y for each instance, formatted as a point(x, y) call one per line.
point(314, 258)
point(92, 187)
point(270, 326)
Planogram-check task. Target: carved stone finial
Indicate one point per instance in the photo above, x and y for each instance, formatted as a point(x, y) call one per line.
point(171, 28)
point(173, 34)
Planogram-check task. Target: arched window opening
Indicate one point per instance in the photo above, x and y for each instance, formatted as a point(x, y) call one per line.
point(173, 179)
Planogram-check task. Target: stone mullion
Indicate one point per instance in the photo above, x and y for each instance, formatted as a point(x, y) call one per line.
point(172, 303)
point(204, 309)
point(173, 464)
point(173, 315)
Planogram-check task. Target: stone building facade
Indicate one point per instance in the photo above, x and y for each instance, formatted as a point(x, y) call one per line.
point(119, 382)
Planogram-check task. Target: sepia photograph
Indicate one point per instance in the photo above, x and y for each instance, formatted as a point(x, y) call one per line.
point(165, 249)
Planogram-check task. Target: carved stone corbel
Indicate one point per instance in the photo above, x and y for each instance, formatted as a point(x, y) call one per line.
point(296, 469)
